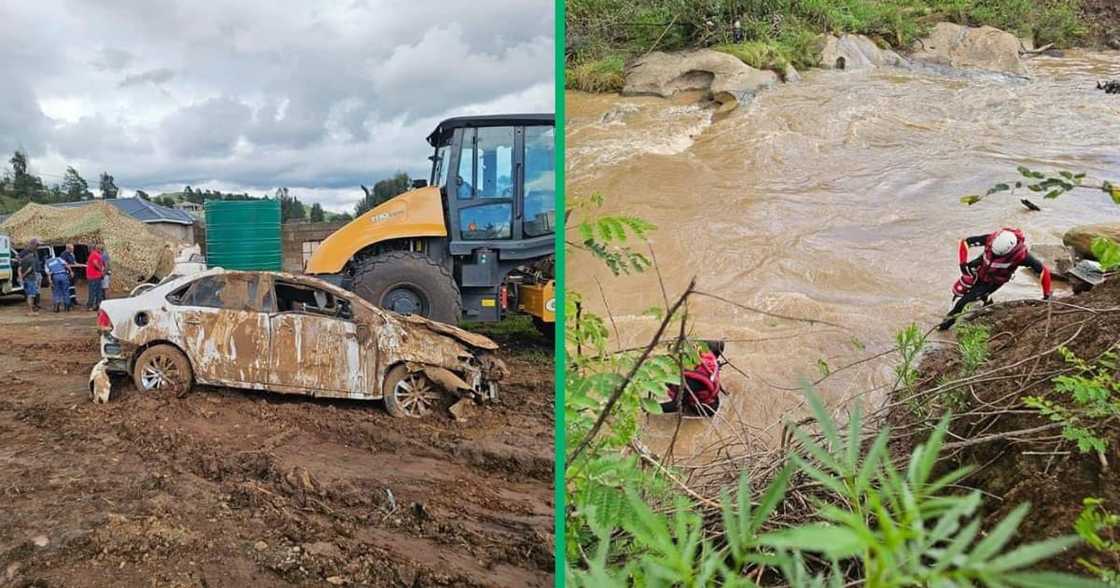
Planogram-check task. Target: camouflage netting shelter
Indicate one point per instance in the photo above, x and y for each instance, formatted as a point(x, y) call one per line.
point(136, 253)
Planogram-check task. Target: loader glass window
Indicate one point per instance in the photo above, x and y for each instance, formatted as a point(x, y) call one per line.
point(465, 180)
point(439, 166)
point(540, 202)
point(494, 169)
point(486, 163)
point(486, 222)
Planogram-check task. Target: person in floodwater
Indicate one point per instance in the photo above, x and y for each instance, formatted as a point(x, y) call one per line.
point(1084, 275)
point(702, 383)
point(1004, 252)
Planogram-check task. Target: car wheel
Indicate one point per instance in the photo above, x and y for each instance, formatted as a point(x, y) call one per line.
point(410, 394)
point(163, 367)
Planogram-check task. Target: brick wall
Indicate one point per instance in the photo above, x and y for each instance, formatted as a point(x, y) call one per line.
point(293, 236)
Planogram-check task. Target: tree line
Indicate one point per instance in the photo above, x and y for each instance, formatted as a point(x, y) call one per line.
point(19, 185)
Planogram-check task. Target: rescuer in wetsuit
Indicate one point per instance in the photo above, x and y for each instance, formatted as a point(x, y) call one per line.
point(702, 383)
point(1004, 252)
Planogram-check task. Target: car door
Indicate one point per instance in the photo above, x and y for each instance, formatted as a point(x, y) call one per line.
point(225, 328)
point(315, 347)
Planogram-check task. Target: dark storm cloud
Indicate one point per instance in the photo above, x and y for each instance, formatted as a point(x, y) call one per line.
point(260, 93)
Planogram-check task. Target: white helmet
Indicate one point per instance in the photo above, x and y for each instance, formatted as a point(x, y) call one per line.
point(1004, 242)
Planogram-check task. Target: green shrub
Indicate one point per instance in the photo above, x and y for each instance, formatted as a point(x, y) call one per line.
point(600, 75)
point(1087, 401)
point(972, 342)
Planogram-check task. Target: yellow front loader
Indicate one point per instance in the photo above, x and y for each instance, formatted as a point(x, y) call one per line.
point(473, 242)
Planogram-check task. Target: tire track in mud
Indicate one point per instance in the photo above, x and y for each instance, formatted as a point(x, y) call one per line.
point(229, 488)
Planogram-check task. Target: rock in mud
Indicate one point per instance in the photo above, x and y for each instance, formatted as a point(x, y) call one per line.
point(855, 52)
point(1080, 239)
point(790, 75)
point(40, 541)
point(323, 549)
point(724, 77)
point(260, 546)
point(986, 48)
point(463, 410)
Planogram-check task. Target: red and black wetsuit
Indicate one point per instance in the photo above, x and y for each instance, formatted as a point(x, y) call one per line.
point(703, 386)
point(987, 273)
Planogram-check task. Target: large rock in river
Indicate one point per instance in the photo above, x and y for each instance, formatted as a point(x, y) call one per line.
point(855, 52)
point(724, 77)
point(1080, 239)
point(985, 48)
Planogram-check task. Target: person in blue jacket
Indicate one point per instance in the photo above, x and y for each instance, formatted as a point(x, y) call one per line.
point(61, 274)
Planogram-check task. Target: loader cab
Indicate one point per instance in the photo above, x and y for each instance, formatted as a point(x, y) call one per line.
point(496, 174)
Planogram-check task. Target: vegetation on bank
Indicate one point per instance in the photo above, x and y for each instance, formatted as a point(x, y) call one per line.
point(604, 34)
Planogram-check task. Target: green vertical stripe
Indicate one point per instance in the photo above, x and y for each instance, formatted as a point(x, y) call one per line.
point(560, 436)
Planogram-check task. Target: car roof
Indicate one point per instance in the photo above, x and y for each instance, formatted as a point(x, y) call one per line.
point(450, 330)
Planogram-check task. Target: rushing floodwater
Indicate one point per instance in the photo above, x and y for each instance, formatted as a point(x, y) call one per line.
point(835, 198)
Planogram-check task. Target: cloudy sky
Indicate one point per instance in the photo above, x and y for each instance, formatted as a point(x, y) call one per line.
point(249, 95)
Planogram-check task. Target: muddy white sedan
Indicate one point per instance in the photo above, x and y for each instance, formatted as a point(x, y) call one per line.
point(290, 334)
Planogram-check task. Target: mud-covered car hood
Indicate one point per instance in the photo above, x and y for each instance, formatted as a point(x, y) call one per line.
point(466, 337)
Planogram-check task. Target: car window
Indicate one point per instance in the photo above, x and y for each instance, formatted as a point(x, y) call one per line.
point(241, 292)
point(308, 300)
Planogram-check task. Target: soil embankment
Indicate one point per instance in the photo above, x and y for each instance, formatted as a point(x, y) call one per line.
point(1016, 457)
point(231, 488)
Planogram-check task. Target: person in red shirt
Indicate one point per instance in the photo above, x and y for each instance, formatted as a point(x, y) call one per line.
point(95, 270)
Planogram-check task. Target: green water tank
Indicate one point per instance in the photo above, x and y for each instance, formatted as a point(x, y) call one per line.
point(243, 235)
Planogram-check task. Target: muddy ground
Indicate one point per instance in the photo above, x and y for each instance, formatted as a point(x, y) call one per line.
point(232, 488)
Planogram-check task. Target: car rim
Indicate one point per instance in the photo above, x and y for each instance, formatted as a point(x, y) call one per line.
point(416, 395)
point(160, 372)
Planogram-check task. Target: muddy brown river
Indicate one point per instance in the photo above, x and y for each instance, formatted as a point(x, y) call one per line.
point(836, 198)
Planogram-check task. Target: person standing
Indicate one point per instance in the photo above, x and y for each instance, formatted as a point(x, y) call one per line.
point(95, 270)
point(29, 274)
point(60, 273)
point(108, 272)
point(71, 262)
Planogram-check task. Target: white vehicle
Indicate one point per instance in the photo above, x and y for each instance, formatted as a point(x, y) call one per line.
point(9, 268)
point(289, 334)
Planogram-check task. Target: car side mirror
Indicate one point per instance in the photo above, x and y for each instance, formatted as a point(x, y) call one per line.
point(417, 184)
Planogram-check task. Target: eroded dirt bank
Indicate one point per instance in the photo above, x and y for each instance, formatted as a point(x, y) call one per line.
point(230, 488)
point(1019, 455)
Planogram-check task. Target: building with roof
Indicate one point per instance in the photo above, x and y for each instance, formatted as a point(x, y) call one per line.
point(176, 224)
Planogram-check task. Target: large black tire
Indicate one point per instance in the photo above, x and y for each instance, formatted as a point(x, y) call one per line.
point(409, 283)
